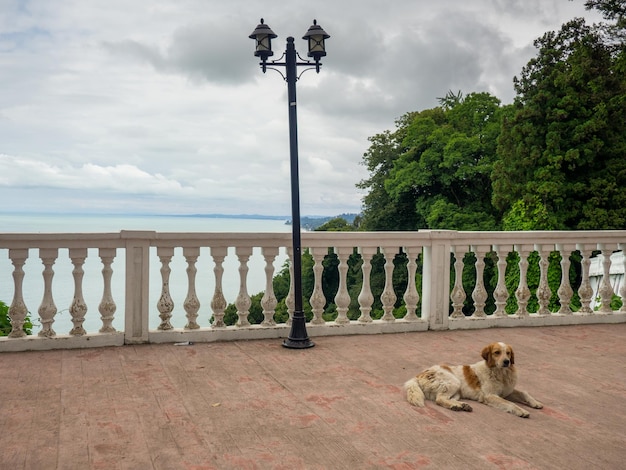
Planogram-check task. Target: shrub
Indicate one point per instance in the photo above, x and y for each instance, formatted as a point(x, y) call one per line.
point(5, 321)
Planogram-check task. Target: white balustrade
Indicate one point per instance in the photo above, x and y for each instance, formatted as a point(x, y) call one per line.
point(431, 302)
point(388, 296)
point(47, 309)
point(243, 301)
point(107, 306)
point(218, 303)
point(622, 291)
point(78, 309)
point(544, 293)
point(411, 296)
point(501, 293)
point(18, 309)
point(522, 293)
point(366, 298)
point(165, 305)
point(269, 301)
point(479, 295)
point(458, 294)
point(565, 291)
point(318, 300)
point(585, 291)
point(342, 298)
point(191, 304)
point(606, 290)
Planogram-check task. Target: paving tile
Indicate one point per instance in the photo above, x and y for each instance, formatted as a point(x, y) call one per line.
point(339, 405)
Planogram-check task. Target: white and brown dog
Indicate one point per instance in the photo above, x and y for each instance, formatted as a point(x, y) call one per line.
point(491, 381)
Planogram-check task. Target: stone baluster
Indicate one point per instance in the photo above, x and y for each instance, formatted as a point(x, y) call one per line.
point(544, 293)
point(458, 295)
point(585, 291)
point(501, 293)
point(165, 305)
point(107, 305)
point(479, 295)
point(78, 308)
point(218, 302)
point(366, 298)
point(606, 289)
point(290, 299)
point(342, 299)
point(243, 301)
point(388, 297)
point(47, 309)
point(622, 290)
point(191, 304)
point(522, 293)
point(18, 310)
point(269, 301)
point(318, 300)
point(411, 297)
point(565, 291)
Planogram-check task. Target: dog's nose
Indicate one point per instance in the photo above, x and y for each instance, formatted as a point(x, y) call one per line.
point(506, 363)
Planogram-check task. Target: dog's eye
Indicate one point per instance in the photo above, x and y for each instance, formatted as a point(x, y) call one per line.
point(497, 353)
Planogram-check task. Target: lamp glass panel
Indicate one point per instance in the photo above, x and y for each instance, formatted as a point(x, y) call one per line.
point(316, 43)
point(263, 43)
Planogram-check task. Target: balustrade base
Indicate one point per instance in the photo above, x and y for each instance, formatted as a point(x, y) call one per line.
point(282, 331)
point(533, 319)
point(37, 343)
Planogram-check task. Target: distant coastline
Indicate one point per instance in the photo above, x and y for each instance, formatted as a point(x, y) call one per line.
point(229, 216)
point(306, 222)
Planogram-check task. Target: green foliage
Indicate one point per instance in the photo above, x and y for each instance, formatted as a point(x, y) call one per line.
point(434, 170)
point(615, 12)
point(380, 210)
point(5, 321)
point(562, 144)
point(337, 224)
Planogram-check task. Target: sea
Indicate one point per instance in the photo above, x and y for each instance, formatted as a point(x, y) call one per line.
point(63, 283)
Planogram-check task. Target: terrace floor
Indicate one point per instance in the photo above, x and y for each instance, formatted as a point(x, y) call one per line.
point(339, 405)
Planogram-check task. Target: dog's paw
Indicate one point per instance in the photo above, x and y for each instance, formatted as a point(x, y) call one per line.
point(461, 407)
point(536, 405)
point(522, 413)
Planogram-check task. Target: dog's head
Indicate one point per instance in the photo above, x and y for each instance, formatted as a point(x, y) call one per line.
point(498, 355)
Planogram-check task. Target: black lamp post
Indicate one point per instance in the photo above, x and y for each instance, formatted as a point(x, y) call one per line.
point(263, 35)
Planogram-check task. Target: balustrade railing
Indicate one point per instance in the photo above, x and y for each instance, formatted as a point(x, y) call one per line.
point(454, 280)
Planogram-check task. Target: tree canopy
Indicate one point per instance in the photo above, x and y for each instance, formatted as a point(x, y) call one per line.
point(561, 149)
point(554, 159)
point(434, 171)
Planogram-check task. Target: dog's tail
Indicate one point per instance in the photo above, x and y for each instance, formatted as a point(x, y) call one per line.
point(414, 393)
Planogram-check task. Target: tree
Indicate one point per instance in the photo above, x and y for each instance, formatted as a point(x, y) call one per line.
point(336, 224)
point(615, 12)
point(562, 144)
point(380, 210)
point(445, 167)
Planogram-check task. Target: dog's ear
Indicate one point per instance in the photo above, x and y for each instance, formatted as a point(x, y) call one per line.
point(512, 356)
point(486, 354)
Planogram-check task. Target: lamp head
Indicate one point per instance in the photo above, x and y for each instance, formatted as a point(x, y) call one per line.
point(316, 37)
point(263, 36)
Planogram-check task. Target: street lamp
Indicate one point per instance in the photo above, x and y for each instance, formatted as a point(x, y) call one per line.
point(263, 35)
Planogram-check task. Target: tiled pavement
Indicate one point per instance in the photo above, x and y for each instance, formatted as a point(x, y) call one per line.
point(339, 405)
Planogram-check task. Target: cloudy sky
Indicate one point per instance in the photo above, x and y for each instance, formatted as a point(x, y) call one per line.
point(159, 106)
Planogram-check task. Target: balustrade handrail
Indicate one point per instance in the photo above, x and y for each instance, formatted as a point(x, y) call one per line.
point(438, 302)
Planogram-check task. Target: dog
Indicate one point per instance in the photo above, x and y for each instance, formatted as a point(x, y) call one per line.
point(491, 381)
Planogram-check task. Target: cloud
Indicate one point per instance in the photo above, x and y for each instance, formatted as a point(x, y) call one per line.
point(127, 179)
point(195, 50)
point(161, 106)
